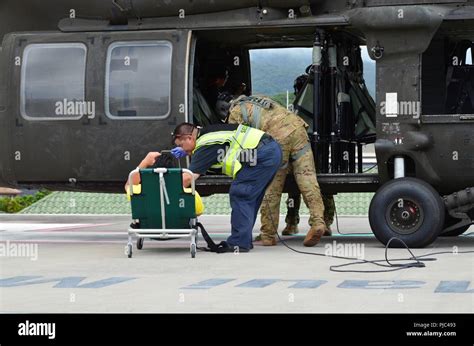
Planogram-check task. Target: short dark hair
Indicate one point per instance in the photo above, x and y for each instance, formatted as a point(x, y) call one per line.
point(183, 129)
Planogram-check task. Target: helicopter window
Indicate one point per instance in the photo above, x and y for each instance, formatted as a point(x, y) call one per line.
point(138, 80)
point(448, 77)
point(273, 76)
point(53, 78)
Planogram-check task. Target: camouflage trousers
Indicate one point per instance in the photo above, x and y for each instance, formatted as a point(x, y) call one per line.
point(299, 156)
point(293, 206)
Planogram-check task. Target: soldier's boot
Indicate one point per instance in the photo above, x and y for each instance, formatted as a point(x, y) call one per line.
point(292, 218)
point(314, 235)
point(268, 240)
point(329, 211)
point(290, 229)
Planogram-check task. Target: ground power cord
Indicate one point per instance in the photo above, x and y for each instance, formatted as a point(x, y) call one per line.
point(417, 261)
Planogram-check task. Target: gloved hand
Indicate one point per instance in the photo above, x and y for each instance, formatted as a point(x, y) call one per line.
point(179, 152)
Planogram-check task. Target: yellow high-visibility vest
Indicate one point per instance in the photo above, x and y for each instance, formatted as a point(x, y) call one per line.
point(244, 137)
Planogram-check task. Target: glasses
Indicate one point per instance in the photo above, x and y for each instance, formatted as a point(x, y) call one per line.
point(176, 136)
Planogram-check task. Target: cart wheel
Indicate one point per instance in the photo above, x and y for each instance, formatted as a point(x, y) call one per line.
point(193, 250)
point(129, 250)
point(140, 243)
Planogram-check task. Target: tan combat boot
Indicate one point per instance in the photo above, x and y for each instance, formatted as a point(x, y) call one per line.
point(269, 241)
point(290, 229)
point(314, 235)
point(266, 241)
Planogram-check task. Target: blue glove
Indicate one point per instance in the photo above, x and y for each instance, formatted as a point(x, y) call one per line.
point(179, 152)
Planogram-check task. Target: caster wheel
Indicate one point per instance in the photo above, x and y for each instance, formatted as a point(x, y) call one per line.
point(140, 242)
point(129, 250)
point(193, 250)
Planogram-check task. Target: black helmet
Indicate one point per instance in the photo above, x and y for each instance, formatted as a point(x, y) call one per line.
point(223, 104)
point(300, 81)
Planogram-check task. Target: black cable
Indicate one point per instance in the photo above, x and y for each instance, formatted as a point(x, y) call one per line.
point(368, 169)
point(337, 225)
point(394, 267)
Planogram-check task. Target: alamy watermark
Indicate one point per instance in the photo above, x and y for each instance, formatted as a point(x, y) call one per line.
point(392, 108)
point(29, 250)
point(75, 108)
point(352, 250)
point(28, 328)
point(246, 156)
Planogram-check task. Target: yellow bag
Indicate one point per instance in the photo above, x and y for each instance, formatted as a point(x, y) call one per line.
point(199, 206)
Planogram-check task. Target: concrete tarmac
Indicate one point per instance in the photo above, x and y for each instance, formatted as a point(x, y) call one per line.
point(77, 264)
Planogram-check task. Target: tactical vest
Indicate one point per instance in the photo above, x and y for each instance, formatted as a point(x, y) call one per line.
point(244, 137)
point(259, 104)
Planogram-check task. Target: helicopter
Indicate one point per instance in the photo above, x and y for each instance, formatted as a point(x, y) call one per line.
point(87, 88)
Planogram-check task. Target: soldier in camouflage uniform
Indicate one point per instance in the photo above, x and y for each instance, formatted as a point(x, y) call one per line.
point(294, 198)
point(290, 132)
point(292, 218)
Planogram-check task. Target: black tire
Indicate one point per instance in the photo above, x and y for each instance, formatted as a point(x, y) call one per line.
point(193, 250)
point(408, 209)
point(449, 221)
point(140, 243)
point(129, 250)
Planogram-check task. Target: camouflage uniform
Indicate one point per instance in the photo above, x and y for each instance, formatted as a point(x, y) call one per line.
point(290, 132)
point(293, 206)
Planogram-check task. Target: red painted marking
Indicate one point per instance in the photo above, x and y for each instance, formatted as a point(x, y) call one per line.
point(59, 229)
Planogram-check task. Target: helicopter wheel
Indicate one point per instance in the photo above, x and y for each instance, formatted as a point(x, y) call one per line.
point(408, 209)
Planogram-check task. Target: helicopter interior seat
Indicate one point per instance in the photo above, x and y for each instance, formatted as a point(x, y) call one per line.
point(203, 114)
point(460, 90)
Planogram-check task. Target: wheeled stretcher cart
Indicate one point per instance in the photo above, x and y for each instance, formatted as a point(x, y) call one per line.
point(162, 210)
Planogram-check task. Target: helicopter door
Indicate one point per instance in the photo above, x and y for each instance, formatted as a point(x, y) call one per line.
point(87, 107)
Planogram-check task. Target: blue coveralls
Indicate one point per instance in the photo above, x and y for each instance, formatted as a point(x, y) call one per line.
point(247, 191)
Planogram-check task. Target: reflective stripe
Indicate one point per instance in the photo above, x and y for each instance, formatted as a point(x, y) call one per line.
point(231, 153)
point(239, 150)
point(219, 137)
point(244, 137)
point(301, 152)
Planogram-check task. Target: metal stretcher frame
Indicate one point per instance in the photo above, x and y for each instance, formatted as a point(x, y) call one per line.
point(163, 233)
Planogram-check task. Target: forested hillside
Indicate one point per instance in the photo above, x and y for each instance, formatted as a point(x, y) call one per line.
point(274, 70)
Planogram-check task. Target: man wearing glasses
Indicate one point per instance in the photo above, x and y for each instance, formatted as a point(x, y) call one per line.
point(250, 156)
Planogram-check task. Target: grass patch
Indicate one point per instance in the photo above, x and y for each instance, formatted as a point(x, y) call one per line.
point(15, 204)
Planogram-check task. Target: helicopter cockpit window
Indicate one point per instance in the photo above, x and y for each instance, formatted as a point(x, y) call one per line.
point(138, 80)
point(448, 77)
point(52, 78)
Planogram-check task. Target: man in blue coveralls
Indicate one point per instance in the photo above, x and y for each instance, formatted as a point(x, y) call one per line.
point(250, 156)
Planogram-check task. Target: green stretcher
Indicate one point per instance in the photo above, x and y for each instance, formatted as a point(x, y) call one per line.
point(162, 210)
